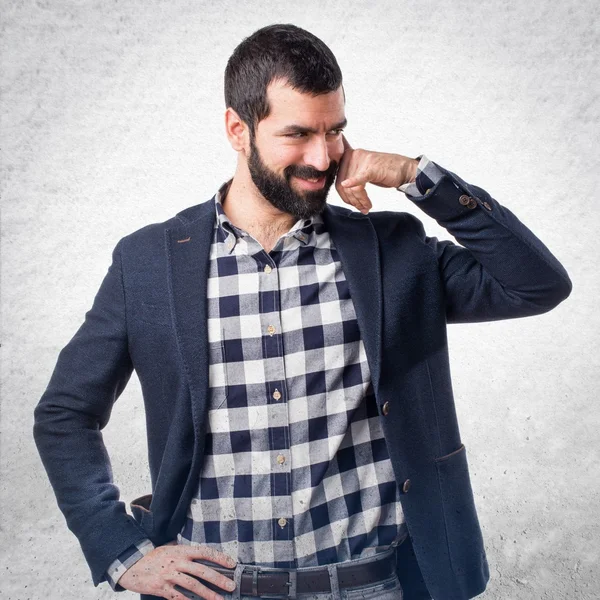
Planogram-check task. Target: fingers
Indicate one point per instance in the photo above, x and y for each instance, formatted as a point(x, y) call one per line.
point(350, 184)
point(352, 191)
point(187, 570)
point(208, 574)
point(158, 571)
point(208, 553)
point(358, 198)
point(187, 566)
point(193, 585)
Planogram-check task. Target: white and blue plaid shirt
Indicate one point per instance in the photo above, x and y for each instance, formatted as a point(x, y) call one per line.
point(296, 471)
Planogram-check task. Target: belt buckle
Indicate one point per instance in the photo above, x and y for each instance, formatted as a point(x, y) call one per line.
point(291, 583)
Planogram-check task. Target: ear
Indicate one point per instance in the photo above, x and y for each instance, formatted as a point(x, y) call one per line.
point(237, 131)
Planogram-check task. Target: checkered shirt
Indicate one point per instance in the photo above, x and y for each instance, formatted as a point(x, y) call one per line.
point(296, 471)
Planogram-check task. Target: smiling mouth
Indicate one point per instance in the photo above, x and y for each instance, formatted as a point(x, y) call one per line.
point(313, 182)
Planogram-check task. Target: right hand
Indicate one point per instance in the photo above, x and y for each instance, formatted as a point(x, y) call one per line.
point(161, 569)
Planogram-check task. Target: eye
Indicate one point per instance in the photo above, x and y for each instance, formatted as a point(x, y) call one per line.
point(300, 134)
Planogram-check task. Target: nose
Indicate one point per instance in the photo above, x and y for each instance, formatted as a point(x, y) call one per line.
point(317, 154)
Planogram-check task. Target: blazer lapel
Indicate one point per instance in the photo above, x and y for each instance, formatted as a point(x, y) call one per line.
point(188, 248)
point(356, 241)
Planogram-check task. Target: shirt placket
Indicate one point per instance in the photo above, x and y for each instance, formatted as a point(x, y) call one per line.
point(276, 400)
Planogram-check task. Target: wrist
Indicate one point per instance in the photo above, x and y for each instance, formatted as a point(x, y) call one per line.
point(413, 170)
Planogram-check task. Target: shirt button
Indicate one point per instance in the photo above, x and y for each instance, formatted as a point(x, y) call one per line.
point(268, 269)
point(282, 522)
point(270, 330)
point(276, 394)
point(280, 459)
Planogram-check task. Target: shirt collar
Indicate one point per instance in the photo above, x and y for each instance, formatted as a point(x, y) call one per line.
point(303, 230)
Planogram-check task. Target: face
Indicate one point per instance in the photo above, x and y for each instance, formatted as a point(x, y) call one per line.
point(300, 140)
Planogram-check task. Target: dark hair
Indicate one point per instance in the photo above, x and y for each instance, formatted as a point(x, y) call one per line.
point(275, 52)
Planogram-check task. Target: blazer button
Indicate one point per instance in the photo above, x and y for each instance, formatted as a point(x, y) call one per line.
point(468, 201)
point(487, 205)
point(406, 486)
point(385, 409)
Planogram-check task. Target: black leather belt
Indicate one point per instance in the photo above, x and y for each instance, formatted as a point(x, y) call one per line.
point(257, 581)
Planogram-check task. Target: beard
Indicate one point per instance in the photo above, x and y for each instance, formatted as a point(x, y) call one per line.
point(279, 192)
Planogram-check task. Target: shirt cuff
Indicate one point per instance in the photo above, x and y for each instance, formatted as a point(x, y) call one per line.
point(126, 560)
point(428, 175)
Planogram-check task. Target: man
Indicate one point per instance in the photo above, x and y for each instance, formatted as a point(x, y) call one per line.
point(293, 359)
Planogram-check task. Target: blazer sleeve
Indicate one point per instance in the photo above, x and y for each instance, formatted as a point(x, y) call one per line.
point(90, 374)
point(503, 271)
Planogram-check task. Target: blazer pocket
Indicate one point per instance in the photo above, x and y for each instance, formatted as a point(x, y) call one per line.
point(448, 456)
point(465, 540)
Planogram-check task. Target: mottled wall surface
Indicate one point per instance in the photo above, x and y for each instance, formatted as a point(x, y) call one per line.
point(112, 118)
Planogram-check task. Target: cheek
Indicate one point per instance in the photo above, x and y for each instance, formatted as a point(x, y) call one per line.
point(284, 157)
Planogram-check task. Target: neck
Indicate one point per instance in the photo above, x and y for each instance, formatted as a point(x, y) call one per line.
point(249, 210)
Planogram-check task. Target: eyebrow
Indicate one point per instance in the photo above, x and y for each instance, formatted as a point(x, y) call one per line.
point(302, 129)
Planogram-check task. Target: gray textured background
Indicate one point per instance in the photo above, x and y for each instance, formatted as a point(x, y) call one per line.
point(113, 119)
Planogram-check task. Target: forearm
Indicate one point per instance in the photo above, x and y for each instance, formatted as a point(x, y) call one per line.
point(504, 269)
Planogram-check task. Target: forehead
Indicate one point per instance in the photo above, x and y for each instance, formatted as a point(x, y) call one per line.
point(288, 105)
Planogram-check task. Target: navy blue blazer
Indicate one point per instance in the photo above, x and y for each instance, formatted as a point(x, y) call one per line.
point(150, 313)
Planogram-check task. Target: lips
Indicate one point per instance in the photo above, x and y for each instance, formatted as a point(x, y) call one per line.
point(313, 184)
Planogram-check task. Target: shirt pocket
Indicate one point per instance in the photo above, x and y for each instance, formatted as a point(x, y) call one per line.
point(217, 375)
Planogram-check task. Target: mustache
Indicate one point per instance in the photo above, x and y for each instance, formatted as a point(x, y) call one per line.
point(307, 172)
